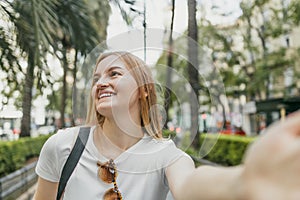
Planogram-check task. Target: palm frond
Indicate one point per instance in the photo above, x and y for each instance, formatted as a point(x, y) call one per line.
point(76, 26)
point(126, 17)
point(34, 21)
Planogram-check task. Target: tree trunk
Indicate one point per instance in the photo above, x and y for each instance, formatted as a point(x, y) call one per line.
point(27, 98)
point(193, 70)
point(74, 95)
point(64, 90)
point(169, 69)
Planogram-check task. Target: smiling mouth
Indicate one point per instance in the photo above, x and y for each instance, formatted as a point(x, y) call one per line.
point(103, 95)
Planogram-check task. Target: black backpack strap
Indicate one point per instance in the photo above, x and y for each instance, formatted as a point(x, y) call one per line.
point(73, 159)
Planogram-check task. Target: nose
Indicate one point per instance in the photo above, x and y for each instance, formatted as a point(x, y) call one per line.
point(102, 83)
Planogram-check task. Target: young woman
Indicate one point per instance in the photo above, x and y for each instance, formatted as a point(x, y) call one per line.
point(125, 156)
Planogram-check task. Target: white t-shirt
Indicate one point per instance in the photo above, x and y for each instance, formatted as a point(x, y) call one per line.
point(141, 168)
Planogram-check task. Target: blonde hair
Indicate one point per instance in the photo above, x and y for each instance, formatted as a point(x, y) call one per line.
point(148, 98)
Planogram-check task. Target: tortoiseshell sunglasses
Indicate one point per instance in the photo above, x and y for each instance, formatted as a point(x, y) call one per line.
point(107, 172)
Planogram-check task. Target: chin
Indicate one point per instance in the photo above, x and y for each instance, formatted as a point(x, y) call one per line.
point(105, 111)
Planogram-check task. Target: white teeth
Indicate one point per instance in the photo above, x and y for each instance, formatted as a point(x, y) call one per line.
point(105, 95)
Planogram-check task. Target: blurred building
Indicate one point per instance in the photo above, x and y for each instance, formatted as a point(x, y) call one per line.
point(283, 86)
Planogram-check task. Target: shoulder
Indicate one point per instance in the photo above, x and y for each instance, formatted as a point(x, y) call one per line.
point(163, 145)
point(166, 151)
point(62, 139)
point(67, 132)
point(54, 153)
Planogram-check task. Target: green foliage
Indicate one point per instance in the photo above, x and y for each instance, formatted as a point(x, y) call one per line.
point(294, 13)
point(261, 57)
point(99, 12)
point(168, 134)
point(14, 154)
point(227, 151)
point(9, 67)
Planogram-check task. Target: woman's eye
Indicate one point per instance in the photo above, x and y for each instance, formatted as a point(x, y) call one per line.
point(114, 73)
point(95, 79)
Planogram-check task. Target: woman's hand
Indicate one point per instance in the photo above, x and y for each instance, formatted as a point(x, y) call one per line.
point(272, 164)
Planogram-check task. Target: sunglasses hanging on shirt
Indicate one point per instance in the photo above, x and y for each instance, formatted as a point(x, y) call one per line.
point(107, 172)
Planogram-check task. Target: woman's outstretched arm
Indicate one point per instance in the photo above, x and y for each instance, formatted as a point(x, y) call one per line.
point(205, 182)
point(270, 170)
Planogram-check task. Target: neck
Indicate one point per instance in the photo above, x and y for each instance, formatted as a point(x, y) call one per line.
point(111, 140)
point(122, 136)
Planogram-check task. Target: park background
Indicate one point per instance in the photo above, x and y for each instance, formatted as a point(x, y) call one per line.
point(252, 47)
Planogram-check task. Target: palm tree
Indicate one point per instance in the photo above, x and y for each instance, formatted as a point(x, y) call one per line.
point(33, 20)
point(76, 32)
point(36, 24)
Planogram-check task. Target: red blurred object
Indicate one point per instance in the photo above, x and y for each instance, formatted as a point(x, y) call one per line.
point(232, 130)
point(16, 131)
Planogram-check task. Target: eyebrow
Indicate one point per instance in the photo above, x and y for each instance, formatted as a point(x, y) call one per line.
point(114, 67)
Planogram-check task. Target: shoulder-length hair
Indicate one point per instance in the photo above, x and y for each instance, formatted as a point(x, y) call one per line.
point(146, 88)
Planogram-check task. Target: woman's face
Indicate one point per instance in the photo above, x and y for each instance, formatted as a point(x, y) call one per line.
point(115, 91)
